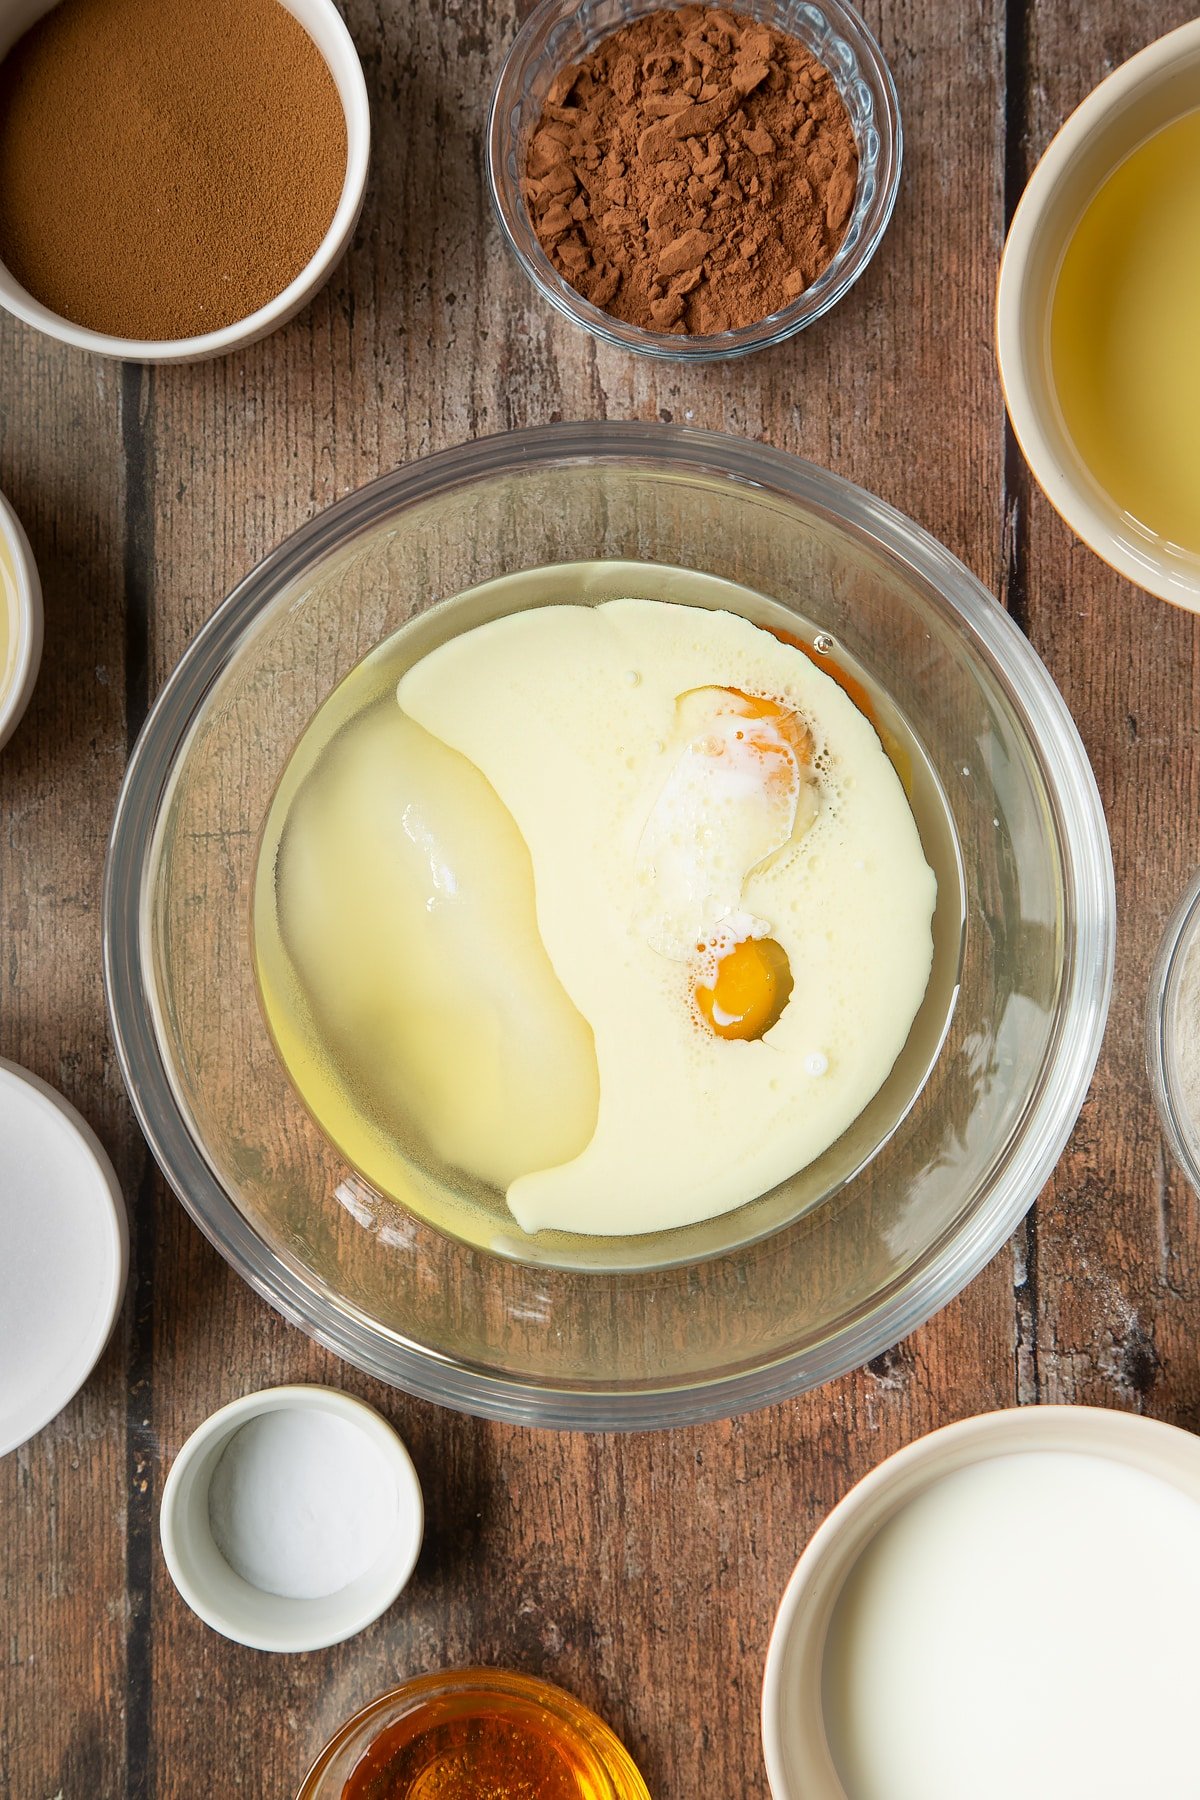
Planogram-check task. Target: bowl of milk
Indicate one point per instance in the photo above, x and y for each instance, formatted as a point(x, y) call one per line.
point(1096, 319)
point(1007, 1605)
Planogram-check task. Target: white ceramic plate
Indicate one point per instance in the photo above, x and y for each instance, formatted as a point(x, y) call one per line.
point(64, 1253)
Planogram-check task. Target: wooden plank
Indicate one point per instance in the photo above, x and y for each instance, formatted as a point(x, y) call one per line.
point(63, 1497)
point(1117, 1263)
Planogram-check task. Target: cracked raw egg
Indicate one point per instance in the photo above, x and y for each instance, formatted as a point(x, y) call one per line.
point(748, 989)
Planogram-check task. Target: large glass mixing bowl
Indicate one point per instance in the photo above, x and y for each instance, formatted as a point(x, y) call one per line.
point(567, 1346)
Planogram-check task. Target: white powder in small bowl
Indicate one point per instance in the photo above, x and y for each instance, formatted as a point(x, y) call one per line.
point(301, 1503)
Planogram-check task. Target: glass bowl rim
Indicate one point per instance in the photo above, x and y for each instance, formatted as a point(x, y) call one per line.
point(873, 70)
point(1013, 1181)
point(1178, 938)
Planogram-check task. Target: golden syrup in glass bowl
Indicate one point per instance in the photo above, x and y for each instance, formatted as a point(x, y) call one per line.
point(475, 1734)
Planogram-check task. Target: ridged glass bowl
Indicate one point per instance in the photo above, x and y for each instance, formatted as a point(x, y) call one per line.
point(558, 33)
point(441, 1709)
point(531, 1341)
point(1173, 1032)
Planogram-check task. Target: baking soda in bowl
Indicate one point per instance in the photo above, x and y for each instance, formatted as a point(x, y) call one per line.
point(301, 1503)
point(1125, 336)
point(1025, 1625)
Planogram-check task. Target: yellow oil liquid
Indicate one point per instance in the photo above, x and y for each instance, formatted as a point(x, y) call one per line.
point(1125, 336)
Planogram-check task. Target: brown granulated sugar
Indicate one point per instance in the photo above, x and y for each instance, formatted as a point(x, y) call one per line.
point(166, 166)
point(695, 173)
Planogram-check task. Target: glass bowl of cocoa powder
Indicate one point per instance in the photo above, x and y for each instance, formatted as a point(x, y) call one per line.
point(693, 182)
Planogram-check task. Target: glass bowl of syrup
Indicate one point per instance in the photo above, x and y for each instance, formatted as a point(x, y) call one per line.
point(474, 1734)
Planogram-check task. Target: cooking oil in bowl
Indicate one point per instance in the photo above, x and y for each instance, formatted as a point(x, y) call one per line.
point(586, 959)
point(20, 622)
point(1125, 336)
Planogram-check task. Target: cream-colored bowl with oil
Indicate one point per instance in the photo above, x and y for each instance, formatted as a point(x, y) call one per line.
point(1098, 319)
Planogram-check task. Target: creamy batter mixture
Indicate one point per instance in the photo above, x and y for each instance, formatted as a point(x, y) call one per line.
point(622, 906)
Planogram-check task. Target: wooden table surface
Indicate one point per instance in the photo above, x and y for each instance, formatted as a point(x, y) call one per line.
point(146, 496)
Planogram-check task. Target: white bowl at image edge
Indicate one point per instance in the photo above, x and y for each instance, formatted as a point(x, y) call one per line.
point(1158, 85)
point(19, 672)
point(64, 1253)
point(326, 28)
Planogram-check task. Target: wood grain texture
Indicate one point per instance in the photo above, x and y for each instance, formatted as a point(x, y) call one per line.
point(1113, 1245)
point(642, 1573)
point(63, 1591)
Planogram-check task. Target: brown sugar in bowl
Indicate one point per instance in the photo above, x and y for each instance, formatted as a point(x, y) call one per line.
point(323, 24)
point(560, 34)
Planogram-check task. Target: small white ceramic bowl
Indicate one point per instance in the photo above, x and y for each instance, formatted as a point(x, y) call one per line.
point(800, 1764)
point(232, 1605)
point(1155, 87)
point(326, 28)
point(21, 618)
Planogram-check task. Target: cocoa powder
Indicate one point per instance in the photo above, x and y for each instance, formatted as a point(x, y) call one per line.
point(695, 173)
point(166, 166)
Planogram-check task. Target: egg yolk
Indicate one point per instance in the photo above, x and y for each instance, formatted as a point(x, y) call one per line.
point(752, 986)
